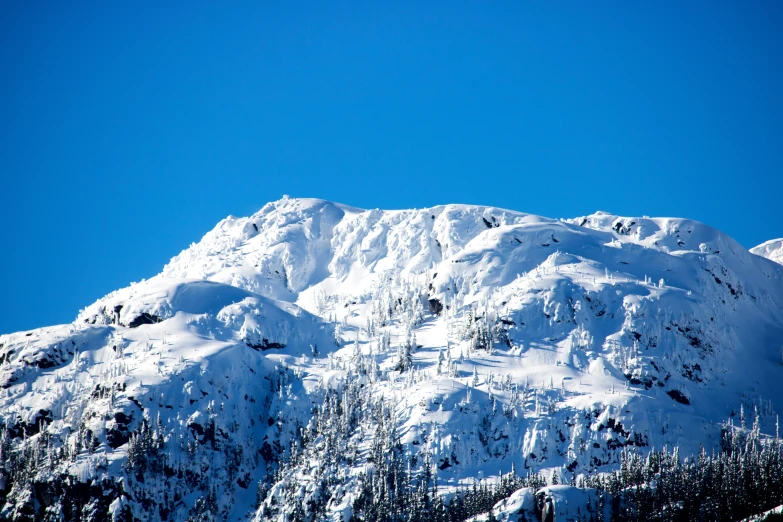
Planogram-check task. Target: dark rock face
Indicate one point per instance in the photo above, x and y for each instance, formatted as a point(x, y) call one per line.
point(622, 227)
point(117, 310)
point(548, 513)
point(544, 508)
point(204, 434)
point(120, 433)
point(678, 397)
point(265, 345)
point(436, 307)
point(49, 357)
point(28, 429)
point(87, 501)
point(143, 319)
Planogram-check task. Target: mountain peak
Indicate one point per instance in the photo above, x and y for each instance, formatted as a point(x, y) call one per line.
point(772, 249)
point(286, 349)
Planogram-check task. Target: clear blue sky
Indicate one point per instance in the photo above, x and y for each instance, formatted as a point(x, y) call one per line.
point(127, 130)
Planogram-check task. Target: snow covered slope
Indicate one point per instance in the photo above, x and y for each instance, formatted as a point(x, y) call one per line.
point(277, 364)
point(772, 249)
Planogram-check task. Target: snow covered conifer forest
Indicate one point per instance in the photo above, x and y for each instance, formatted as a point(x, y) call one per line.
point(316, 361)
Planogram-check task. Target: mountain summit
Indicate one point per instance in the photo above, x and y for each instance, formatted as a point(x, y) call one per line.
point(272, 369)
point(772, 249)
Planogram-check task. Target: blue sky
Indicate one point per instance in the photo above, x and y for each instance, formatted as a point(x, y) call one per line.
point(127, 130)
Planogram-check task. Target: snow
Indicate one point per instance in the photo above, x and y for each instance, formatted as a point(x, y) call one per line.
point(623, 332)
point(772, 249)
point(568, 503)
point(760, 518)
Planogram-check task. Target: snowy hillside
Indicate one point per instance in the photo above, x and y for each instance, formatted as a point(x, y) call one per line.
point(283, 364)
point(772, 249)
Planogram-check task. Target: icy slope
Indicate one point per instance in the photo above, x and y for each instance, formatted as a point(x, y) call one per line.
point(772, 249)
point(289, 348)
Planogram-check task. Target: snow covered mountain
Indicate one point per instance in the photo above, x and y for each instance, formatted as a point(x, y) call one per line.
point(772, 249)
point(274, 368)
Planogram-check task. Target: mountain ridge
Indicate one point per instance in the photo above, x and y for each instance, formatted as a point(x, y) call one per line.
point(772, 250)
point(490, 339)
